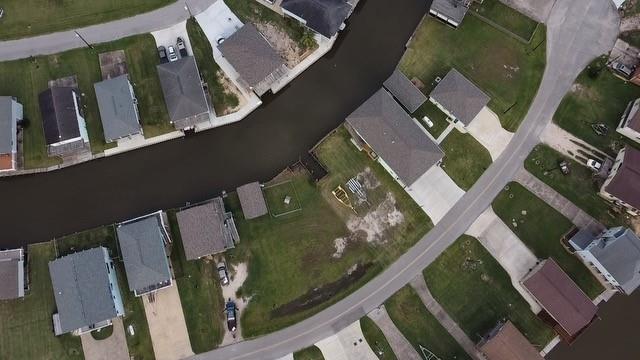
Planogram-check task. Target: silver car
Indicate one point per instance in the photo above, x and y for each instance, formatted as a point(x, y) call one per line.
point(173, 56)
point(222, 273)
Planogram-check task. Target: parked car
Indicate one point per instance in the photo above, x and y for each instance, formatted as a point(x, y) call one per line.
point(222, 273)
point(230, 309)
point(1, 12)
point(162, 53)
point(172, 53)
point(622, 69)
point(594, 164)
point(181, 48)
point(564, 167)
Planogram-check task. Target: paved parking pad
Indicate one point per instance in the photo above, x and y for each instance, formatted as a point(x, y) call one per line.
point(169, 36)
point(486, 128)
point(348, 344)
point(435, 192)
point(166, 325)
point(112, 348)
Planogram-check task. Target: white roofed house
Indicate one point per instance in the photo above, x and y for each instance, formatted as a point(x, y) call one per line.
point(630, 122)
point(10, 115)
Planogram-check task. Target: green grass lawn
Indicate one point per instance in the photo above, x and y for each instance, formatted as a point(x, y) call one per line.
point(505, 68)
point(34, 17)
point(596, 100)
point(541, 229)
point(26, 78)
point(376, 340)
point(256, 13)
point(579, 186)
point(26, 328)
point(276, 194)
point(420, 327)
point(102, 334)
point(310, 353)
point(510, 19)
point(84, 240)
point(290, 255)
point(465, 159)
point(200, 294)
point(434, 114)
point(222, 99)
point(477, 292)
point(632, 37)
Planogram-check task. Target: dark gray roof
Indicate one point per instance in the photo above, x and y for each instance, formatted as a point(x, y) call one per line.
point(395, 137)
point(59, 117)
point(322, 16)
point(625, 184)
point(403, 89)
point(11, 274)
point(203, 231)
point(452, 9)
point(620, 255)
point(118, 110)
point(6, 124)
point(252, 200)
point(250, 54)
point(460, 96)
point(182, 89)
point(81, 289)
point(142, 244)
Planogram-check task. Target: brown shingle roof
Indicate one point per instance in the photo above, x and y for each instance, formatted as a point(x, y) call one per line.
point(506, 342)
point(625, 185)
point(405, 91)
point(560, 297)
point(202, 229)
point(252, 200)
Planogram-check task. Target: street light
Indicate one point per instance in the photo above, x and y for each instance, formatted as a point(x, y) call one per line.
point(83, 40)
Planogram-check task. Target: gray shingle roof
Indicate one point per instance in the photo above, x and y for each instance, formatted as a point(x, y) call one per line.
point(621, 257)
point(11, 274)
point(81, 289)
point(252, 200)
point(203, 231)
point(460, 96)
point(395, 137)
point(322, 16)
point(183, 93)
point(118, 110)
point(6, 124)
point(59, 118)
point(452, 9)
point(142, 244)
point(403, 89)
point(250, 54)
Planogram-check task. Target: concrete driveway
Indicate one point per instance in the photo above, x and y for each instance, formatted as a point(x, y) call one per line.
point(348, 344)
point(401, 347)
point(218, 22)
point(112, 348)
point(169, 36)
point(435, 192)
point(486, 128)
point(514, 256)
point(166, 325)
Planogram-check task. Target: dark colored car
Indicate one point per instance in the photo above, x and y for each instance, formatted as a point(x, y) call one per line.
point(564, 167)
point(181, 49)
point(162, 53)
point(230, 309)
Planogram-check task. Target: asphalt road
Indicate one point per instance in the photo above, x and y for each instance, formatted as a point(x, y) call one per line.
point(577, 31)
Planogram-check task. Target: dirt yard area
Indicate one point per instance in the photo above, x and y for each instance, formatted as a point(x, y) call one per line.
point(284, 45)
point(166, 325)
point(237, 276)
point(230, 87)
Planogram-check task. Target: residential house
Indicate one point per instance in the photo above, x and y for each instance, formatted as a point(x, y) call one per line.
point(404, 91)
point(458, 98)
point(183, 93)
point(324, 17)
point(12, 274)
point(622, 186)
point(142, 244)
point(614, 253)
point(206, 229)
point(118, 108)
point(382, 128)
point(564, 305)
point(506, 342)
point(252, 200)
point(65, 129)
point(10, 115)
point(251, 55)
point(630, 122)
point(86, 291)
point(451, 12)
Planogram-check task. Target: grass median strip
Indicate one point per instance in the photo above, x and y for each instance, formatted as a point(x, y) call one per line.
point(310, 353)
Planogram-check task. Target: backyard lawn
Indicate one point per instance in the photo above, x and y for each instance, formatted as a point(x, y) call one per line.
point(437, 117)
point(579, 186)
point(602, 99)
point(502, 15)
point(310, 353)
point(540, 227)
point(476, 291)
point(376, 340)
point(27, 78)
point(465, 159)
point(209, 70)
point(24, 18)
point(200, 294)
point(505, 68)
point(291, 255)
point(26, 328)
point(420, 327)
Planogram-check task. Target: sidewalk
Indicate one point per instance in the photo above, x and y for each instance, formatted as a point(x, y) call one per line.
point(399, 344)
point(420, 286)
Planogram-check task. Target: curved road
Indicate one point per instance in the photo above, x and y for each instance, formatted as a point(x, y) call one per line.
point(577, 31)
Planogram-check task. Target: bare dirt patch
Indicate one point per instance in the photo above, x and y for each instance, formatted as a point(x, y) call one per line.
point(237, 276)
point(375, 223)
point(230, 88)
point(284, 45)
